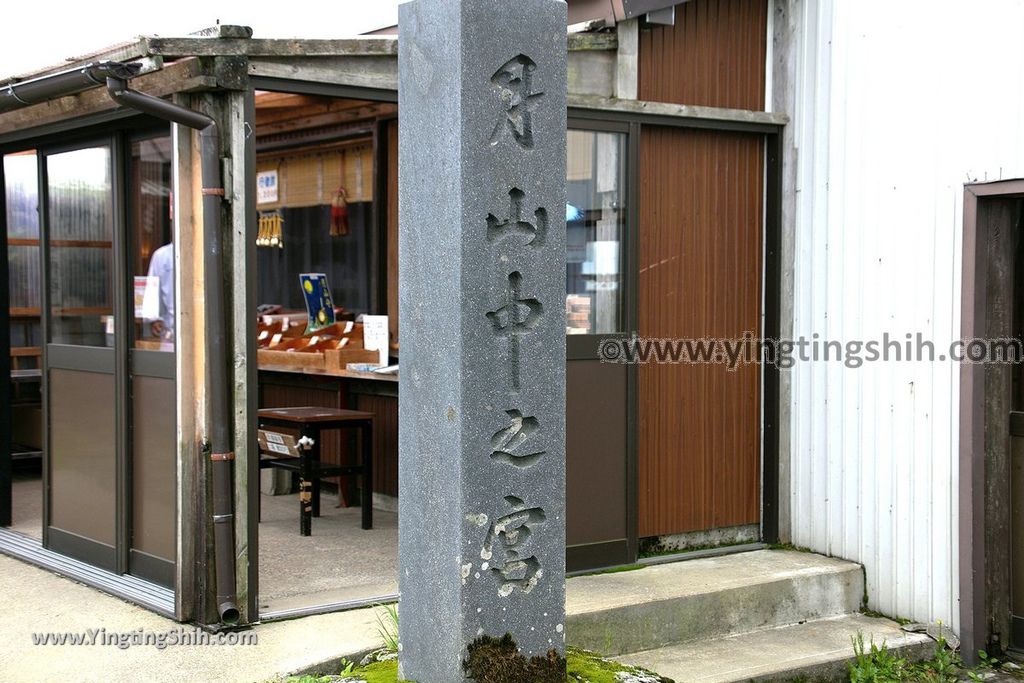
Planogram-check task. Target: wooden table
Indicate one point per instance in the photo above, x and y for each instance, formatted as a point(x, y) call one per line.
point(311, 421)
point(283, 387)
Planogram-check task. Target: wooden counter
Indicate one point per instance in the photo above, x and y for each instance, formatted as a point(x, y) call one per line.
point(347, 374)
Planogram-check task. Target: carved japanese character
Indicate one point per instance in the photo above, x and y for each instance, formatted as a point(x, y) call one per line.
point(508, 442)
point(515, 317)
point(513, 81)
point(506, 547)
point(516, 224)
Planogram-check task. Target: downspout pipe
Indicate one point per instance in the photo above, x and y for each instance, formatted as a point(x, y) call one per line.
point(221, 436)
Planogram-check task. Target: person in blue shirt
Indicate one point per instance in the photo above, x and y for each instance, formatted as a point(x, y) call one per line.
point(161, 266)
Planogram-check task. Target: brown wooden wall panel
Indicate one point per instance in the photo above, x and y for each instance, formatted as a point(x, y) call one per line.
point(713, 56)
point(385, 442)
point(700, 276)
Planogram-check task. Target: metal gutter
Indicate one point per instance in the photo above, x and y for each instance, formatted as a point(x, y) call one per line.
point(38, 90)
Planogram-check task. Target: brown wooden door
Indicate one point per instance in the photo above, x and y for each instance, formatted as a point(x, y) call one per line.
point(700, 276)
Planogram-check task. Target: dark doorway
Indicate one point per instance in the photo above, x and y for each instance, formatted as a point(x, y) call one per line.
point(992, 422)
point(1012, 213)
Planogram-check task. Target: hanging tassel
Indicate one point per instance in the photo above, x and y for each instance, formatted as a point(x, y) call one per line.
point(270, 231)
point(339, 206)
point(261, 231)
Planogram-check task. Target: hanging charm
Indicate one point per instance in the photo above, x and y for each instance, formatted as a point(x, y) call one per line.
point(339, 206)
point(269, 232)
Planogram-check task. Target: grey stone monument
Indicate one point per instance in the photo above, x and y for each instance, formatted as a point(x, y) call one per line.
point(482, 95)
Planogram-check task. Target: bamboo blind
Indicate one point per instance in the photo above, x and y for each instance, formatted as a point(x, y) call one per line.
point(313, 178)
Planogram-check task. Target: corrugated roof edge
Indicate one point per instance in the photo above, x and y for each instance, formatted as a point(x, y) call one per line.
point(126, 51)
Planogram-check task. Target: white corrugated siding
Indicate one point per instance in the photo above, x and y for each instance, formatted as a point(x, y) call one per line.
point(898, 105)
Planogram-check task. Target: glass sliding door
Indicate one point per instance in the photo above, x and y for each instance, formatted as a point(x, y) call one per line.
point(80, 359)
point(151, 361)
point(21, 506)
point(598, 485)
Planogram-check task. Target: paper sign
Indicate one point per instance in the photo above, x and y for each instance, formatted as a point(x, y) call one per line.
point(266, 187)
point(375, 335)
point(319, 304)
point(147, 297)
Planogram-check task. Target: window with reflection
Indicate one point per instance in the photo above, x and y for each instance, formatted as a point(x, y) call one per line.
point(81, 227)
point(152, 243)
point(21, 179)
point(595, 217)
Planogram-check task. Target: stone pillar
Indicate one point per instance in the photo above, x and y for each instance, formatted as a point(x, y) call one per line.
point(482, 87)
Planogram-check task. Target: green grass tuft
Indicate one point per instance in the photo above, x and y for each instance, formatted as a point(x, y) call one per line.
point(581, 666)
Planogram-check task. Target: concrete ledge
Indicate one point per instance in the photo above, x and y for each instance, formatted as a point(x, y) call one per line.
point(817, 651)
point(685, 601)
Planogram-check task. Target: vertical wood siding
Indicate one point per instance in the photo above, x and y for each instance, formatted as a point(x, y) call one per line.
point(700, 276)
point(890, 122)
point(385, 440)
point(714, 55)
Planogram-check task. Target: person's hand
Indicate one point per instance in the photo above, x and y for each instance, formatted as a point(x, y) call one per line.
point(157, 328)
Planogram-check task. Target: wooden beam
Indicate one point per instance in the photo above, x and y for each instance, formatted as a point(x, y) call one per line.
point(189, 75)
point(317, 105)
point(270, 47)
point(677, 111)
point(190, 393)
point(366, 113)
point(306, 48)
point(379, 72)
point(267, 47)
point(241, 281)
point(592, 41)
point(276, 100)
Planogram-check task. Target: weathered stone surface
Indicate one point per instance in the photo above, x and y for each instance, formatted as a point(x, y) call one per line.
point(482, 314)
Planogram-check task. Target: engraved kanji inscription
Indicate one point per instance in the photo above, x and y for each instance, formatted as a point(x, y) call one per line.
point(506, 550)
point(515, 317)
point(510, 443)
point(513, 81)
point(516, 224)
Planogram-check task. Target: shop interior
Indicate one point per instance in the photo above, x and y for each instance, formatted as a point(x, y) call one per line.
point(327, 333)
point(326, 176)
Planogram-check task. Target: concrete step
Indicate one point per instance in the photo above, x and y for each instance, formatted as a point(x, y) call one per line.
point(685, 601)
point(813, 651)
